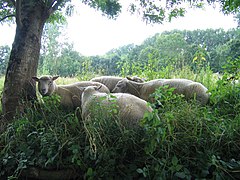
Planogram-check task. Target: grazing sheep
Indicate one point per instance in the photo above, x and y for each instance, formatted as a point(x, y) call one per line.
point(182, 86)
point(70, 94)
point(111, 81)
point(128, 108)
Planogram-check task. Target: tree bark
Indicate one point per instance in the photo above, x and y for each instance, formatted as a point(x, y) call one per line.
point(23, 62)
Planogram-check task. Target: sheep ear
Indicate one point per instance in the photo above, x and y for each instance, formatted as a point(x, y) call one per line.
point(35, 78)
point(81, 88)
point(98, 87)
point(129, 78)
point(55, 77)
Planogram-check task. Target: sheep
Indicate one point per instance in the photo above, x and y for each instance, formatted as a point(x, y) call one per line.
point(111, 81)
point(130, 109)
point(182, 86)
point(137, 79)
point(70, 94)
point(217, 75)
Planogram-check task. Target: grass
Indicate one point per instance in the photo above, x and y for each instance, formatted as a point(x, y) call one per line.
point(66, 80)
point(180, 140)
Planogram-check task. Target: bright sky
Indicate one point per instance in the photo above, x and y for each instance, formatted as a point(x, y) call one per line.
point(93, 34)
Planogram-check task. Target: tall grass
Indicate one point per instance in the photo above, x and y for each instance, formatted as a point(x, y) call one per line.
point(179, 140)
point(66, 80)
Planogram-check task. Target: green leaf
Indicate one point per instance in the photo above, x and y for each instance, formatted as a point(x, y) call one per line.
point(140, 171)
point(195, 58)
point(178, 167)
point(90, 172)
point(180, 175)
point(174, 160)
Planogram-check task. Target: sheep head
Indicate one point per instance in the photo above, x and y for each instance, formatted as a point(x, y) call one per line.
point(136, 79)
point(46, 84)
point(88, 92)
point(90, 89)
point(121, 86)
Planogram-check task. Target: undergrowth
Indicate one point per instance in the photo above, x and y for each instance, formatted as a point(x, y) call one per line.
point(179, 140)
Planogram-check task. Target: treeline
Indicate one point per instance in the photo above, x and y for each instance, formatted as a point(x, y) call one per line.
point(181, 48)
point(175, 49)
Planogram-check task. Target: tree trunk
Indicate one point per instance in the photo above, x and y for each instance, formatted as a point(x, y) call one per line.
point(23, 62)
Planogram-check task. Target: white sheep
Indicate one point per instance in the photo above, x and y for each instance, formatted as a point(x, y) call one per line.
point(111, 81)
point(70, 94)
point(128, 108)
point(188, 88)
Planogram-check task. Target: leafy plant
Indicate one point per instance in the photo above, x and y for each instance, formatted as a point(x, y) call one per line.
point(185, 137)
point(180, 139)
point(44, 136)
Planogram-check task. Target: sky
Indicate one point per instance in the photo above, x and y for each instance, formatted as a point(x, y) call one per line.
point(94, 34)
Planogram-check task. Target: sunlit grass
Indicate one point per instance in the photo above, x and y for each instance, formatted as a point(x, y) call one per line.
point(66, 80)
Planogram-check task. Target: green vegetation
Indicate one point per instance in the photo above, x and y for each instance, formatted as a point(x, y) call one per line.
point(171, 50)
point(179, 140)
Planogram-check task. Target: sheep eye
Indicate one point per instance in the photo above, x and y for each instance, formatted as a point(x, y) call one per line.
point(121, 85)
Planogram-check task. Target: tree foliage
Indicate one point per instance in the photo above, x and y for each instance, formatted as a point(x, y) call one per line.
point(181, 48)
point(4, 56)
point(151, 11)
point(175, 48)
point(7, 11)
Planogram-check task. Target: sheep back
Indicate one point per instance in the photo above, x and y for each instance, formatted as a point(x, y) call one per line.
point(182, 86)
point(109, 81)
point(178, 84)
point(141, 90)
point(127, 108)
point(198, 91)
point(71, 94)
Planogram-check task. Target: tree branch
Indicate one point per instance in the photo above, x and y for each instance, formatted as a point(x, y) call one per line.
point(13, 2)
point(53, 7)
point(5, 17)
point(51, 3)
